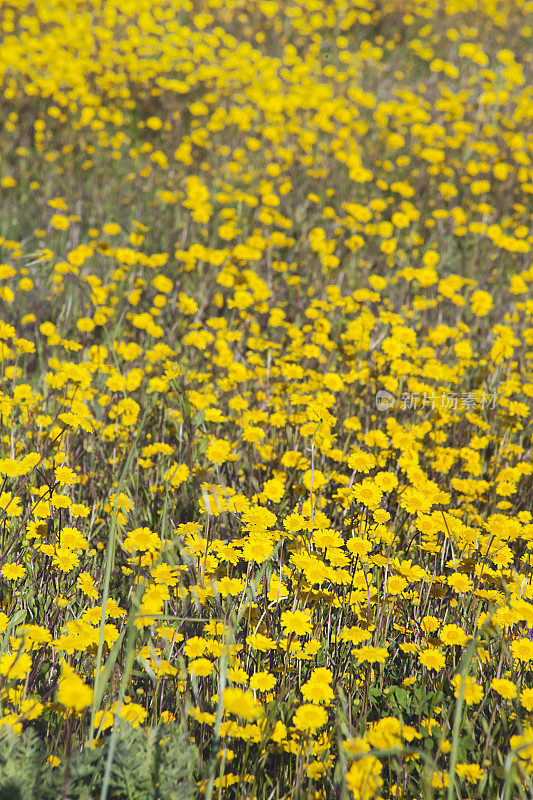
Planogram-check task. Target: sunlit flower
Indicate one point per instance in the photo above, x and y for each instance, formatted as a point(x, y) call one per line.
point(309, 717)
point(297, 622)
point(73, 692)
point(432, 659)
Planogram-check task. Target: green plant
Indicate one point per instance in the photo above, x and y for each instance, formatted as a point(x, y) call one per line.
point(160, 763)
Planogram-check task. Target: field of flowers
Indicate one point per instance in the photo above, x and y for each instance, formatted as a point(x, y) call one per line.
point(266, 385)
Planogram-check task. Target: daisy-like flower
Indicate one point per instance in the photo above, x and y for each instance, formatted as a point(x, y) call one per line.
point(309, 717)
point(242, 703)
point(505, 688)
point(522, 649)
point(73, 692)
point(262, 681)
point(297, 622)
point(453, 635)
point(433, 659)
point(219, 451)
point(13, 571)
point(473, 692)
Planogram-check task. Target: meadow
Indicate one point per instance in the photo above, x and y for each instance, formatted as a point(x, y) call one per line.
point(266, 386)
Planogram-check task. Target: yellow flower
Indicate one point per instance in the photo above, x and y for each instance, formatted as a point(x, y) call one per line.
point(452, 635)
point(64, 559)
point(15, 666)
point(261, 643)
point(416, 501)
point(526, 697)
point(309, 717)
point(73, 539)
point(460, 583)
point(506, 689)
point(242, 703)
point(12, 572)
point(111, 228)
point(314, 479)
point(297, 622)
point(430, 658)
point(371, 655)
point(142, 539)
point(273, 490)
point(472, 772)
point(257, 548)
point(359, 546)
point(201, 667)
point(195, 647)
point(85, 324)
point(279, 733)
point(72, 692)
point(176, 474)
point(439, 779)
point(35, 636)
point(481, 303)
point(14, 468)
point(85, 584)
point(522, 649)
point(473, 692)
point(360, 461)
point(355, 635)
point(133, 713)
point(66, 476)
point(368, 493)
point(385, 733)
point(363, 779)
point(219, 451)
point(10, 504)
point(317, 689)
point(262, 681)
point(103, 718)
point(396, 584)
point(258, 519)
point(154, 123)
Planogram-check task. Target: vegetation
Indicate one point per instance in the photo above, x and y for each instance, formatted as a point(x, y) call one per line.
point(265, 399)
point(141, 767)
